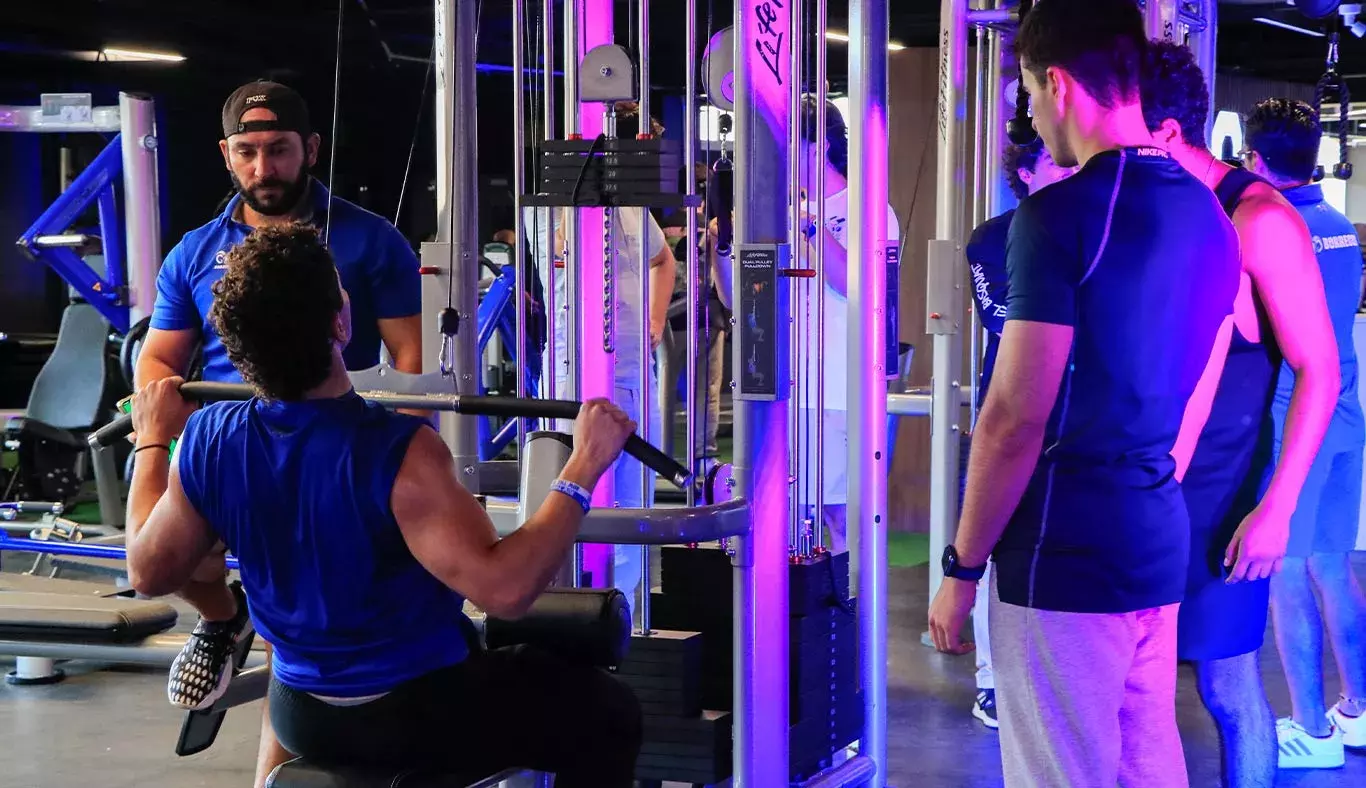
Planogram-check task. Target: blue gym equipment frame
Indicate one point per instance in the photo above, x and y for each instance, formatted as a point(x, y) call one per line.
point(498, 315)
point(46, 240)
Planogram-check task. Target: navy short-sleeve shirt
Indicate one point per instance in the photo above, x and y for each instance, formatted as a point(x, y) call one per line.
point(1138, 257)
point(986, 253)
point(377, 265)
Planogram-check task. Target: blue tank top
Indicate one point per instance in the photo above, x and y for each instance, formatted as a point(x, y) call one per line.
point(1339, 255)
point(1235, 447)
point(299, 492)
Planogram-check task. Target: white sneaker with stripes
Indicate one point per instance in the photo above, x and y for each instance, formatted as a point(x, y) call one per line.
point(1300, 750)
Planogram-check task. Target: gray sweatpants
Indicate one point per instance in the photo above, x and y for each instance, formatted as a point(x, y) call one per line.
point(1086, 700)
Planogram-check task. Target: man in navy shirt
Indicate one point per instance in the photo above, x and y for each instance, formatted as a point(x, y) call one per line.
point(1238, 533)
point(1283, 137)
point(268, 147)
point(358, 545)
point(1028, 168)
point(1122, 280)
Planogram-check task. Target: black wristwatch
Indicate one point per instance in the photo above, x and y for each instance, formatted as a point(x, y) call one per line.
point(954, 569)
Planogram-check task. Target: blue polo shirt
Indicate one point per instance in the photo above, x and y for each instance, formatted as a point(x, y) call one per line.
point(986, 253)
point(376, 263)
point(1137, 256)
point(1339, 254)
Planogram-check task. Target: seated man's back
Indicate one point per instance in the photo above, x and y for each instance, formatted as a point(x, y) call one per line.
point(331, 582)
point(1139, 258)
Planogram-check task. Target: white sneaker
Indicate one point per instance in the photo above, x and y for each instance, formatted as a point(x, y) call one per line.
point(1299, 750)
point(1353, 728)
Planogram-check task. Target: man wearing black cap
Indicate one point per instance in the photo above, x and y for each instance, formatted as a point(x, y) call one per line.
point(268, 146)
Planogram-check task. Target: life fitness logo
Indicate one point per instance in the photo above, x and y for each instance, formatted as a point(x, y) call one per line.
point(1333, 242)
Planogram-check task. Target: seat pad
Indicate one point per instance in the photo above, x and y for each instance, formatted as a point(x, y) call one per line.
point(299, 773)
point(32, 428)
point(81, 619)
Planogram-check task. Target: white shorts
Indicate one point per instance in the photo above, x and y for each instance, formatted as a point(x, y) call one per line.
point(835, 450)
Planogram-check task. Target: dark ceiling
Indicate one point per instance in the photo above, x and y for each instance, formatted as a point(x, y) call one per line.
point(299, 35)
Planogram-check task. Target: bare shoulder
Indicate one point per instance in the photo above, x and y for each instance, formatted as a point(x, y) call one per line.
point(426, 459)
point(1263, 203)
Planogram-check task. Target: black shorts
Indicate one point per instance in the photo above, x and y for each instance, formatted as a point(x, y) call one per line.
point(509, 708)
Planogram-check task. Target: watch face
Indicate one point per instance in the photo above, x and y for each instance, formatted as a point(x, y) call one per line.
point(950, 559)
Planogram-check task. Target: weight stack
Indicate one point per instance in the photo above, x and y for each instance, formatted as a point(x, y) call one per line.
point(682, 743)
point(825, 706)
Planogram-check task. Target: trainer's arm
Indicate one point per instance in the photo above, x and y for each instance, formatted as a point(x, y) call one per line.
point(164, 354)
point(167, 537)
point(1009, 435)
point(663, 270)
point(402, 336)
point(1278, 254)
point(451, 535)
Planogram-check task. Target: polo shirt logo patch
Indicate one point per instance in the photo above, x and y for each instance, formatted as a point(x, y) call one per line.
point(220, 260)
point(1335, 242)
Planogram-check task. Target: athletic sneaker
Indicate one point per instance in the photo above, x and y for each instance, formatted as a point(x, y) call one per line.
point(204, 668)
point(985, 708)
point(1299, 750)
point(1353, 728)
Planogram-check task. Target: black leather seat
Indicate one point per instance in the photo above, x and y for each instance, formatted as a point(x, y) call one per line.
point(299, 773)
point(67, 401)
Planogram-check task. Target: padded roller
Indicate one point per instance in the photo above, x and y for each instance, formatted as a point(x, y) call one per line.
point(299, 773)
point(81, 619)
point(582, 625)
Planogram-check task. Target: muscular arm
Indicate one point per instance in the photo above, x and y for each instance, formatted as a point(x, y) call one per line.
point(1278, 254)
point(167, 537)
point(164, 354)
point(449, 533)
point(402, 336)
point(663, 269)
point(1009, 435)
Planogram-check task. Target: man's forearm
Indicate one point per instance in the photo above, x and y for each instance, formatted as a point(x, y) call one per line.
point(1002, 460)
point(1312, 402)
point(661, 290)
point(151, 469)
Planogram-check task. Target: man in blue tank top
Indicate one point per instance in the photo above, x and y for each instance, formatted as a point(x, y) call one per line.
point(357, 545)
point(1028, 168)
point(1122, 279)
point(1283, 137)
point(1238, 535)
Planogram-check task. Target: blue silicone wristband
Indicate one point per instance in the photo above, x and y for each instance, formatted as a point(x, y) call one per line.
point(579, 494)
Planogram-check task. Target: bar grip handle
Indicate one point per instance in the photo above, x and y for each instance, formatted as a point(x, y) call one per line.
point(507, 407)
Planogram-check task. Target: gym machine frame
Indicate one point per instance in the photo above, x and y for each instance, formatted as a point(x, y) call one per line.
point(124, 295)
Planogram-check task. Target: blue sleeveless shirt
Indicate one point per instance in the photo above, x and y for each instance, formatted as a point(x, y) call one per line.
point(300, 493)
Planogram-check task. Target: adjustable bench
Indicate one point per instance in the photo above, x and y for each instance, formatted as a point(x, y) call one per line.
point(299, 773)
point(43, 627)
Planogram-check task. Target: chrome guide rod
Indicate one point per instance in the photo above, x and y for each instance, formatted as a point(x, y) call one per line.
point(822, 96)
point(979, 183)
point(141, 205)
point(801, 344)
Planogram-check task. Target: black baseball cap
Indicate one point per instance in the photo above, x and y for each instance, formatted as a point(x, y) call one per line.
point(291, 113)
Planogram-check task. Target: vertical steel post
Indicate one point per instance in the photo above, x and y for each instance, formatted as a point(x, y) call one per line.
point(696, 400)
point(518, 189)
point(142, 205)
point(868, 36)
point(457, 282)
point(980, 179)
point(762, 113)
point(946, 404)
point(1206, 54)
point(802, 343)
point(822, 96)
point(994, 102)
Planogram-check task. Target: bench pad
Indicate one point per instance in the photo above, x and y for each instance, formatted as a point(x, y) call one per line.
point(81, 619)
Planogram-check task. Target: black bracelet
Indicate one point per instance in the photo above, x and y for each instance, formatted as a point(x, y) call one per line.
point(152, 446)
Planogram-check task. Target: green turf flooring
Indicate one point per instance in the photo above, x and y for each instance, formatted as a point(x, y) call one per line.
point(907, 549)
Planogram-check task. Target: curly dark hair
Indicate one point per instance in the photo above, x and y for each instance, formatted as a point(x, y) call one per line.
point(1286, 133)
point(1174, 87)
point(1099, 42)
point(1020, 157)
point(275, 310)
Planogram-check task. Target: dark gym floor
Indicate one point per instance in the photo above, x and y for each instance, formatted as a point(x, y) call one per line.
point(114, 729)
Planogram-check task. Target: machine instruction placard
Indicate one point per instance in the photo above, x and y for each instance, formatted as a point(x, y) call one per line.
point(762, 350)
